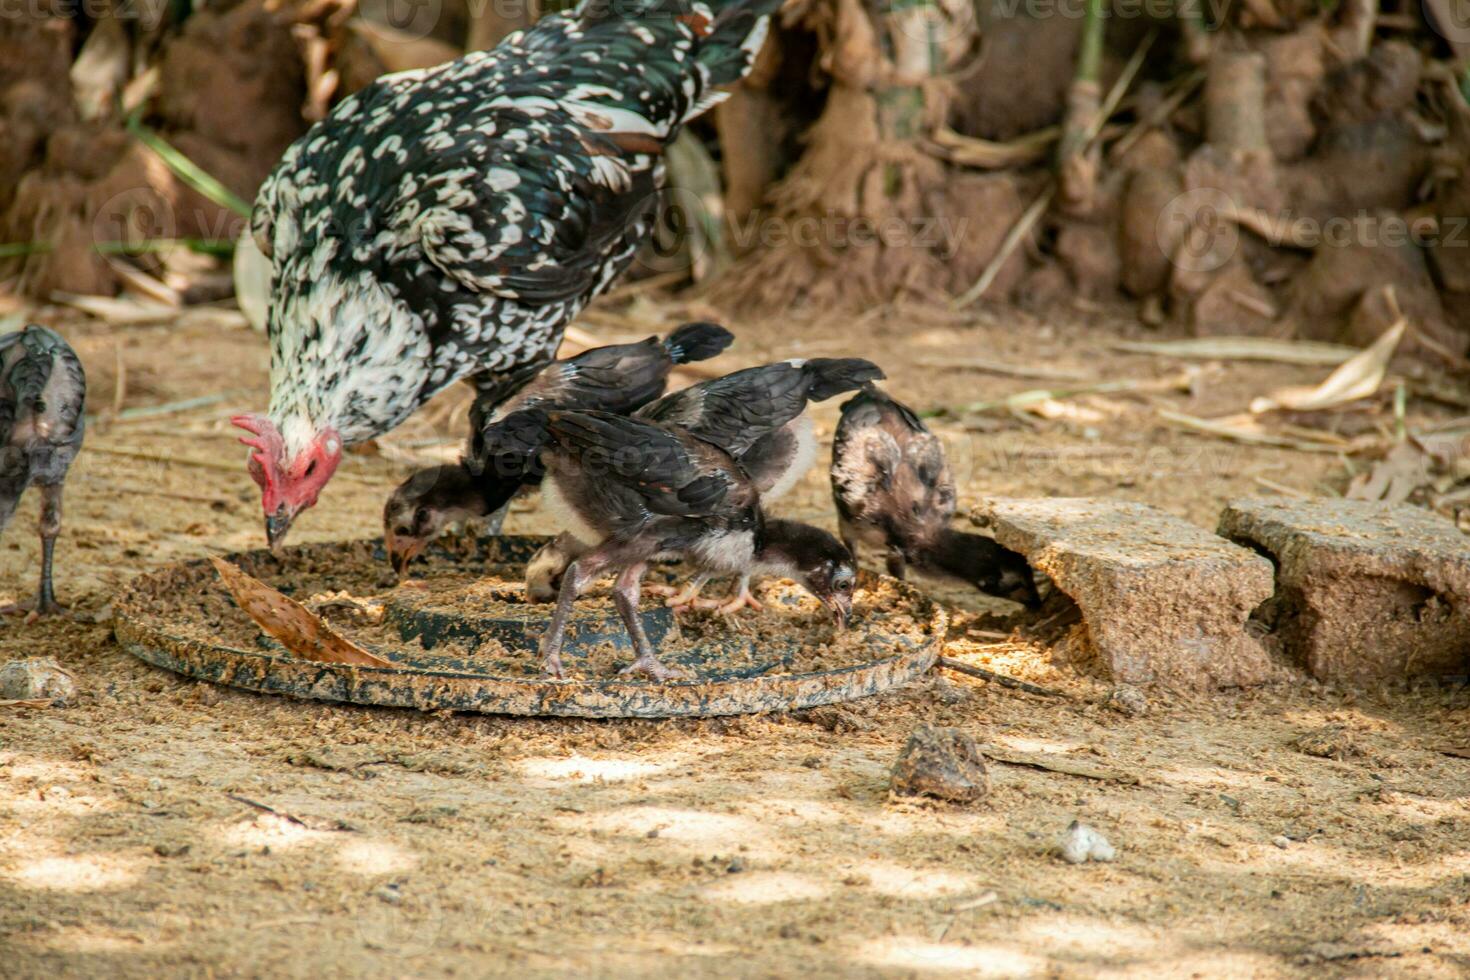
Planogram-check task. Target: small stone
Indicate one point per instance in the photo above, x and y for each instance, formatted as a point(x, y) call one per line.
point(943, 763)
point(949, 693)
point(170, 849)
point(735, 866)
point(1082, 843)
point(1128, 701)
point(389, 894)
point(1281, 841)
point(37, 679)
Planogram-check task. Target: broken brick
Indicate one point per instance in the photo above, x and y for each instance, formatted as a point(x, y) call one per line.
point(1162, 600)
point(1366, 591)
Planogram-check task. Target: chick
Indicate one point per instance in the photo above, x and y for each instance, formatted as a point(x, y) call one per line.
point(894, 491)
point(43, 394)
point(758, 416)
point(636, 492)
point(617, 378)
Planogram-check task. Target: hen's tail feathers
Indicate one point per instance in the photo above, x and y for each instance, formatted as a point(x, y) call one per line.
point(735, 38)
point(697, 342)
point(834, 375)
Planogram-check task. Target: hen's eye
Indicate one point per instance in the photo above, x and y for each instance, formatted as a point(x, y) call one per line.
point(421, 516)
point(403, 531)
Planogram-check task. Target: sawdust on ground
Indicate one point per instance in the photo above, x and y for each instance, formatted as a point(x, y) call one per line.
point(166, 826)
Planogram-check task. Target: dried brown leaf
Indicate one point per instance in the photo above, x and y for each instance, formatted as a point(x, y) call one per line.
point(290, 623)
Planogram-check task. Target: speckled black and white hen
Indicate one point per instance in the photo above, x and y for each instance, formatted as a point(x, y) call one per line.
point(894, 491)
point(638, 492)
point(447, 223)
point(618, 378)
point(43, 395)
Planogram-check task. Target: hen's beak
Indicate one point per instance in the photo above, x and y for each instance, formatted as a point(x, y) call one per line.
point(277, 525)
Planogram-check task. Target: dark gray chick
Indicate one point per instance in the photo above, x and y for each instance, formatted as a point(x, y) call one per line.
point(43, 394)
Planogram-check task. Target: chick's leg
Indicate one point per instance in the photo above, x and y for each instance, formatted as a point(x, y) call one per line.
point(742, 599)
point(625, 596)
point(46, 604)
point(578, 576)
point(686, 597)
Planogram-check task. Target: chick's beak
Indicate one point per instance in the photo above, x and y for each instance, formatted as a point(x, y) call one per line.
point(402, 551)
point(841, 609)
point(277, 525)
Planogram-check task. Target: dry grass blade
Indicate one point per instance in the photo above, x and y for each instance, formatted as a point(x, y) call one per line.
point(1033, 397)
point(1358, 377)
point(26, 703)
point(118, 312)
point(1065, 767)
point(1243, 349)
point(1004, 680)
point(1039, 372)
point(290, 623)
point(1243, 428)
point(967, 151)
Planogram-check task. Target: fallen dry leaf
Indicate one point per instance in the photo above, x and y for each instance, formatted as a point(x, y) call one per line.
point(290, 623)
point(1358, 377)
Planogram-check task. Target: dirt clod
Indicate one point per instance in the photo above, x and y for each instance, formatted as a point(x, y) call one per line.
point(943, 763)
point(1128, 700)
point(1330, 742)
point(37, 679)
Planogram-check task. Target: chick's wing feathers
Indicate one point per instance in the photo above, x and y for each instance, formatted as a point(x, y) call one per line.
point(673, 475)
point(735, 411)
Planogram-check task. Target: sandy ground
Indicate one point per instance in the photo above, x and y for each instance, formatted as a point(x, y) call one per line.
point(162, 826)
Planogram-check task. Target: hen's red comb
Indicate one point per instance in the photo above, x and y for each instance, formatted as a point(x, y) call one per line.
point(267, 442)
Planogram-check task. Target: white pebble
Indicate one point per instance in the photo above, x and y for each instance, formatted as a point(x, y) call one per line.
point(1082, 843)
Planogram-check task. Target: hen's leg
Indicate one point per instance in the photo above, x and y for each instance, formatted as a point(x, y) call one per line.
point(895, 563)
point(578, 576)
point(625, 596)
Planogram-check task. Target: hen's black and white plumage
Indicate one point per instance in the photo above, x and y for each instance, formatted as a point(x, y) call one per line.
point(638, 492)
point(43, 394)
point(894, 491)
point(447, 223)
point(619, 379)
